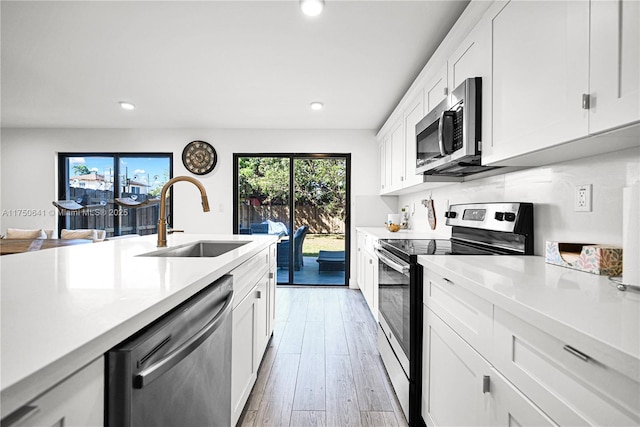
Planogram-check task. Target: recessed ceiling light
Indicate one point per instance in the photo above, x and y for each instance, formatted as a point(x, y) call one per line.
point(317, 105)
point(127, 105)
point(312, 7)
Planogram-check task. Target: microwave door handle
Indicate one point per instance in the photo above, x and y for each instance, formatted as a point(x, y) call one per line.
point(441, 133)
point(445, 132)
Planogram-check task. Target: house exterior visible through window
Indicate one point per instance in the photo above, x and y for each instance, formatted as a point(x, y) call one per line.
point(94, 180)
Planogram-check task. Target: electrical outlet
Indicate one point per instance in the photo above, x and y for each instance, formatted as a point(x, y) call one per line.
point(583, 198)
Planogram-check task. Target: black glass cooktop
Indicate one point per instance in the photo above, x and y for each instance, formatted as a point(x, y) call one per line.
point(405, 248)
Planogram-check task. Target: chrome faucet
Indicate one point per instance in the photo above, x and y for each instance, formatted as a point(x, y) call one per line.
point(162, 221)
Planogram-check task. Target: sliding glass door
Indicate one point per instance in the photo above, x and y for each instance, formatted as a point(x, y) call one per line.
point(303, 200)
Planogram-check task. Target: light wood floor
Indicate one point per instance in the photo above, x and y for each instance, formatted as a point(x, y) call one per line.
point(322, 367)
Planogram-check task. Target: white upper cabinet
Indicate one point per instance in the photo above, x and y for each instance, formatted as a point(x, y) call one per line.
point(397, 155)
point(540, 73)
point(436, 90)
point(614, 64)
point(562, 71)
point(413, 115)
point(472, 58)
point(385, 164)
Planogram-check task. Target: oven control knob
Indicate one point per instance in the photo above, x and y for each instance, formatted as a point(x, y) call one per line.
point(509, 216)
point(499, 216)
point(450, 214)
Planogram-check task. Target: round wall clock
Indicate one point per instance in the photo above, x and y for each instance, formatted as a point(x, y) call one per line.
point(199, 157)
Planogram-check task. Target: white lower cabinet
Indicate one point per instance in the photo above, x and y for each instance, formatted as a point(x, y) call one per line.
point(453, 372)
point(574, 383)
point(461, 388)
point(512, 408)
point(250, 337)
point(367, 270)
point(483, 365)
point(77, 401)
point(253, 322)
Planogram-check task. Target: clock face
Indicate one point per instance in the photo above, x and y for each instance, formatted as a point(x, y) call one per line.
point(199, 157)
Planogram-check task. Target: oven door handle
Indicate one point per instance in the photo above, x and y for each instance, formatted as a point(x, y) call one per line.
point(400, 268)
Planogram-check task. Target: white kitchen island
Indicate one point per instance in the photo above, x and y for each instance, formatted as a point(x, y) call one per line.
point(62, 309)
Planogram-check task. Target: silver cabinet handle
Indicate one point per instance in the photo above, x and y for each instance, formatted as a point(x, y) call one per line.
point(270, 275)
point(19, 415)
point(258, 294)
point(448, 281)
point(586, 101)
point(153, 372)
point(486, 384)
point(577, 353)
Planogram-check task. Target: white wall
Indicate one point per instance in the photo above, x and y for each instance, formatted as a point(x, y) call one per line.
point(551, 189)
point(29, 171)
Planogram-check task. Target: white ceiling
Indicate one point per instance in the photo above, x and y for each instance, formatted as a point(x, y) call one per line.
point(213, 64)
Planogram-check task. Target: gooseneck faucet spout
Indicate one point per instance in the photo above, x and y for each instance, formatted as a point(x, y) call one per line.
point(162, 221)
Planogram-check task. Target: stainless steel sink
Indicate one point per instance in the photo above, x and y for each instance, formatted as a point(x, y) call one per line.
point(197, 249)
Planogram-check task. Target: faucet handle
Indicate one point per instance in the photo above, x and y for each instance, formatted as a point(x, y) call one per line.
point(174, 230)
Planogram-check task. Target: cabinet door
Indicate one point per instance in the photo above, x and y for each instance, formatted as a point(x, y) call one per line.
point(453, 378)
point(436, 90)
point(473, 59)
point(273, 281)
point(244, 367)
point(413, 115)
point(397, 157)
point(512, 408)
point(262, 317)
point(77, 401)
point(369, 271)
point(615, 64)
point(360, 259)
point(540, 74)
point(385, 167)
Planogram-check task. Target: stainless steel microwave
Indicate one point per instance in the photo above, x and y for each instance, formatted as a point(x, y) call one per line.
point(449, 137)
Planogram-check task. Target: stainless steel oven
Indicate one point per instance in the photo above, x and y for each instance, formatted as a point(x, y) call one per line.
point(477, 229)
point(394, 333)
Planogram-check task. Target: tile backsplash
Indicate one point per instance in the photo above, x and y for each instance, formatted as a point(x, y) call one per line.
point(551, 189)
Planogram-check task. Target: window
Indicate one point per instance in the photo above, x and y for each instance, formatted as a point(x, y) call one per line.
point(95, 179)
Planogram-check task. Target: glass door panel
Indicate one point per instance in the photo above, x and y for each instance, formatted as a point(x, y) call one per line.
point(320, 215)
point(310, 221)
point(263, 202)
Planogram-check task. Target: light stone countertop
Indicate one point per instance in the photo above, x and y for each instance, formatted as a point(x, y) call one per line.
point(575, 306)
point(63, 308)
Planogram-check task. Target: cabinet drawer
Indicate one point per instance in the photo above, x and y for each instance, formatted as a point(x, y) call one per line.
point(468, 314)
point(248, 274)
point(565, 382)
point(77, 401)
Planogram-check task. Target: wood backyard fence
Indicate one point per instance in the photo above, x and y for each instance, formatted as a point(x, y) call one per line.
point(319, 222)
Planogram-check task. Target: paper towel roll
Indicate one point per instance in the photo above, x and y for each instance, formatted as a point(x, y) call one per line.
point(631, 235)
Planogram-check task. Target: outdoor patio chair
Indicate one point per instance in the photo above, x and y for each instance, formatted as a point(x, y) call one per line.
point(283, 250)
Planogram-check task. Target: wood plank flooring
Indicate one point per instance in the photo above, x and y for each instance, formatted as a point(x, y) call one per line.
point(322, 367)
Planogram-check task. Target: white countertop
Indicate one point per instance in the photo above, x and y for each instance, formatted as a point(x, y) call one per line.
point(383, 233)
point(580, 306)
point(62, 308)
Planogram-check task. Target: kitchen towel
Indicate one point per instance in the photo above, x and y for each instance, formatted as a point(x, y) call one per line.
point(631, 235)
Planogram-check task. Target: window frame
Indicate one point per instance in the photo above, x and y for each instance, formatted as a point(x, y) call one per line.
point(63, 179)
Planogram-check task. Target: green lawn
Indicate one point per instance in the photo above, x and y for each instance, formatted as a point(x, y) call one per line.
point(328, 242)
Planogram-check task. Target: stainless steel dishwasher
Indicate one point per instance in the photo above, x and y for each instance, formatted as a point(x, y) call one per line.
point(177, 371)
